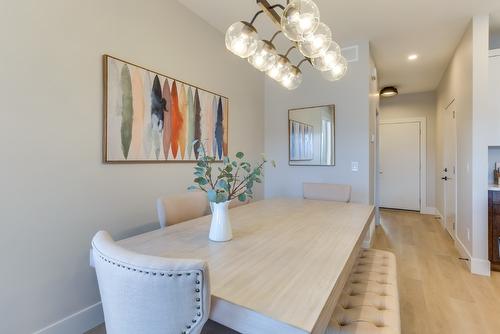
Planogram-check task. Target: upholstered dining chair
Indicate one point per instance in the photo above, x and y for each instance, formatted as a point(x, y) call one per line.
point(178, 208)
point(236, 203)
point(149, 294)
point(328, 192)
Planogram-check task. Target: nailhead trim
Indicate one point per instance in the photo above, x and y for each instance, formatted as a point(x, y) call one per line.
point(197, 289)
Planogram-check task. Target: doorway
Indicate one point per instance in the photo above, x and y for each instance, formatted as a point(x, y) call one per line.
point(402, 178)
point(449, 171)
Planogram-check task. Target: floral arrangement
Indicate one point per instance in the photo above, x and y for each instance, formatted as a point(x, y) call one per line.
point(235, 178)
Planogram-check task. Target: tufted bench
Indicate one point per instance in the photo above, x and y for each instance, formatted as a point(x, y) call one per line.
point(369, 303)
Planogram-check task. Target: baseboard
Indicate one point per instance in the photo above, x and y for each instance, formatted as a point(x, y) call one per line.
point(78, 322)
point(464, 253)
point(429, 210)
point(480, 267)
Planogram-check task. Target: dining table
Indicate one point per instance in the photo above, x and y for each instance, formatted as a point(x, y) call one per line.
point(283, 271)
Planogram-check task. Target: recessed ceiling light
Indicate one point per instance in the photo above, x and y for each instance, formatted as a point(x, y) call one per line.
point(412, 57)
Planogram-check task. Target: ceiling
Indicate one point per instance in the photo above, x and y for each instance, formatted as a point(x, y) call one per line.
point(432, 29)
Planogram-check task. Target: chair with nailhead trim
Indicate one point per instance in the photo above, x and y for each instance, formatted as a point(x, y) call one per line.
point(149, 294)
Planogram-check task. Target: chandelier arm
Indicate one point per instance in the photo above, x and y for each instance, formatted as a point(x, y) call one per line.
point(289, 50)
point(262, 11)
point(304, 60)
point(274, 36)
point(255, 16)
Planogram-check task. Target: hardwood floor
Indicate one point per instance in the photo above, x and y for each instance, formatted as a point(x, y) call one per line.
point(437, 292)
point(438, 295)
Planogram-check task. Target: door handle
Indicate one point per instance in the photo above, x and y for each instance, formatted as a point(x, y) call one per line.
point(445, 178)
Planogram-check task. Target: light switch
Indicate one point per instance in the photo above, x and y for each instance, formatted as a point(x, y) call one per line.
point(354, 166)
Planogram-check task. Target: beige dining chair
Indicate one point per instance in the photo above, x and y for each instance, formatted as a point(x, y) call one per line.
point(236, 203)
point(327, 192)
point(178, 208)
point(149, 294)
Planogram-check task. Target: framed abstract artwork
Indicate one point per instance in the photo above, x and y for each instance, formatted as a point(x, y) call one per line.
point(150, 117)
point(301, 141)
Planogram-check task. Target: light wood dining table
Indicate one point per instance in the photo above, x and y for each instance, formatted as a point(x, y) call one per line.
point(285, 268)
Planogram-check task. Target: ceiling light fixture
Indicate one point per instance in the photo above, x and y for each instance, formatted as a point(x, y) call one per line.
point(300, 23)
point(413, 57)
point(389, 91)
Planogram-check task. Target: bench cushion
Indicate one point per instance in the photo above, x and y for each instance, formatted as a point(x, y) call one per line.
point(369, 303)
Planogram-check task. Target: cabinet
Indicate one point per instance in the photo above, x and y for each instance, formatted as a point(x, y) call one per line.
point(494, 229)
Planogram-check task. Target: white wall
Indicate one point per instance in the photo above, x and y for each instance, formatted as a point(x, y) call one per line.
point(456, 84)
point(55, 192)
point(482, 119)
point(418, 105)
point(466, 82)
point(350, 96)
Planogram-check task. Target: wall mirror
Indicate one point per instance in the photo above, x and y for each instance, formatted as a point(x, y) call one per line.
point(311, 136)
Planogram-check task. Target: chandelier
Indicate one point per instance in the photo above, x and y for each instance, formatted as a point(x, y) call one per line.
point(300, 23)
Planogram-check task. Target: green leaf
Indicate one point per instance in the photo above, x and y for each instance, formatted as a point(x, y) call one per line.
point(239, 155)
point(234, 163)
point(258, 180)
point(273, 163)
point(226, 160)
point(190, 188)
point(221, 197)
point(242, 197)
point(212, 195)
point(201, 181)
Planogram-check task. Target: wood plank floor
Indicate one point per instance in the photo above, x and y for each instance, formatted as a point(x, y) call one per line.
point(438, 295)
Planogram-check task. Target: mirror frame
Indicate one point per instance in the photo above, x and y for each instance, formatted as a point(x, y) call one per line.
point(333, 131)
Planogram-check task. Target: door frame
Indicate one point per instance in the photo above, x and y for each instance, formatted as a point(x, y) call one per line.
point(444, 218)
point(424, 209)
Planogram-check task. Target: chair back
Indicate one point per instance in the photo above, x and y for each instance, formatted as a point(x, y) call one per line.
point(328, 192)
point(236, 203)
point(182, 207)
point(149, 294)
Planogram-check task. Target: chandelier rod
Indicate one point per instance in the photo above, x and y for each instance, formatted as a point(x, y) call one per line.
point(262, 11)
point(289, 50)
point(304, 60)
point(274, 36)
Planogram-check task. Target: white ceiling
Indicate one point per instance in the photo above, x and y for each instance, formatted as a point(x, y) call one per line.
point(395, 29)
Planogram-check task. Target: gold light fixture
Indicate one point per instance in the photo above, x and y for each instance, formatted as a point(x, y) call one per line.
point(300, 23)
point(389, 91)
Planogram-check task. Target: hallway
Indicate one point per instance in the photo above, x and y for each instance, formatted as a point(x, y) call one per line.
point(437, 292)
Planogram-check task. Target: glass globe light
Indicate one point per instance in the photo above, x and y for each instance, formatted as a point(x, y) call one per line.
point(337, 72)
point(292, 78)
point(317, 43)
point(241, 39)
point(264, 57)
point(329, 59)
point(279, 68)
point(300, 18)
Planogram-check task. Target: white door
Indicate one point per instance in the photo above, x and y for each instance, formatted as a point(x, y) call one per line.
point(449, 172)
point(400, 165)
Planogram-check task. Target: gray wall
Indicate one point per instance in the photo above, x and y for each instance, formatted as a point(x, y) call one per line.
point(55, 192)
point(421, 105)
point(350, 96)
point(494, 39)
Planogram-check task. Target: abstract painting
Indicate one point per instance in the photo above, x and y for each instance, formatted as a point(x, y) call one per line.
point(149, 117)
point(301, 141)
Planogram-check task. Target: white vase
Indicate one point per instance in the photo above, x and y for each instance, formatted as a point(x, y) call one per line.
point(220, 228)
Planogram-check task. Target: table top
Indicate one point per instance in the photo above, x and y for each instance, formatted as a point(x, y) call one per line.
point(284, 260)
